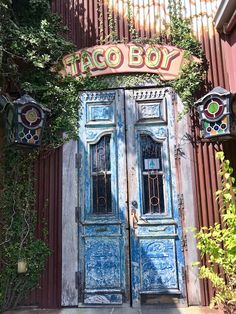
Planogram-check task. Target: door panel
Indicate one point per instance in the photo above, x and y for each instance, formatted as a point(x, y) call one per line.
point(157, 259)
point(126, 144)
point(102, 197)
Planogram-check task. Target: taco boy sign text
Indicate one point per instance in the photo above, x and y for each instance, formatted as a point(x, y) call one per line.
point(126, 58)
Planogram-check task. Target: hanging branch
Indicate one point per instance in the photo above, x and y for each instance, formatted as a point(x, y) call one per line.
point(112, 24)
point(100, 22)
point(132, 30)
point(115, 27)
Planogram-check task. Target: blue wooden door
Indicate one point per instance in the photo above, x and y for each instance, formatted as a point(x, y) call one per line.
point(129, 229)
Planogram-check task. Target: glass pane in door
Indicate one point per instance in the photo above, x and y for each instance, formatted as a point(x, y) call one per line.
point(152, 176)
point(101, 176)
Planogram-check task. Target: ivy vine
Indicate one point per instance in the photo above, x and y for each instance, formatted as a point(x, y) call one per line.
point(112, 24)
point(18, 222)
point(32, 43)
point(192, 78)
point(130, 19)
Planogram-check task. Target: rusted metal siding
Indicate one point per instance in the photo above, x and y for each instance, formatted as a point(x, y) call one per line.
point(206, 185)
point(88, 21)
point(88, 24)
point(230, 52)
point(48, 171)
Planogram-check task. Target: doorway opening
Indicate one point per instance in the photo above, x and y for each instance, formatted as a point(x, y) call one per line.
point(129, 228)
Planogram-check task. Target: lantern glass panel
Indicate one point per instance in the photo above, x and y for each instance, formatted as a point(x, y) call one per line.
point(10, 123)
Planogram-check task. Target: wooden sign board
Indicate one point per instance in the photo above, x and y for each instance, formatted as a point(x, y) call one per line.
point(166, 61)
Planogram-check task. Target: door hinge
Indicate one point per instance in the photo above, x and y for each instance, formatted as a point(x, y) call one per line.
point(77, 278)
point(184, 242)
point(77, 211)
point(180, 197)
point(178, 152)
point(77, 161)
point(173, 96)
point(184, 273)
point(79, 285)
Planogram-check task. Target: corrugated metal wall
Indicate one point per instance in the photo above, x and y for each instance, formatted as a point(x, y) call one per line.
point(48, 171)
point(88, 24)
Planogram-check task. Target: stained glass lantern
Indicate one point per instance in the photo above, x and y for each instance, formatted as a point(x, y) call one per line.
point(217, 114)
point(3, 103)
point(25, 121)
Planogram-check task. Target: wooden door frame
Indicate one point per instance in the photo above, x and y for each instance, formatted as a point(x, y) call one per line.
point(69, 293)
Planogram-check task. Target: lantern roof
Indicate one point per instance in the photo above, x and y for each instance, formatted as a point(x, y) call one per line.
point(219, 91)
point(26, 99)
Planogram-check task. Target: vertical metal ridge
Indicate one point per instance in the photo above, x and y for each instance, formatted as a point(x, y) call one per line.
point(48, 171)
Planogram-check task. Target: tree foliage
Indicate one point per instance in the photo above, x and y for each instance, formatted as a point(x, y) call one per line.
point(32, 44)
point(218, 244)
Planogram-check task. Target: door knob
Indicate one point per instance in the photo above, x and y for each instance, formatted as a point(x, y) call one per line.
point(134, 204)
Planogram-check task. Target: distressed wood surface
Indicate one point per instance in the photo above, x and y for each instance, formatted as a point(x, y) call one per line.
point(102, 237)
point(186, 166)
point(157, 259)
point(154, 256)
point(69, 296)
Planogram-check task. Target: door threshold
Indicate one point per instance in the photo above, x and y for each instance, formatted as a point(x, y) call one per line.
point(124, 305)
point(137, 306)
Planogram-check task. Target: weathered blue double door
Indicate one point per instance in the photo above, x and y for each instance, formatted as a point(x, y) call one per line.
point(129, 228)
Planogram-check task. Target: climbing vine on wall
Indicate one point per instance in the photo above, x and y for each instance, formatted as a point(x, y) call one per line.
point(178, 33)
point(18, 243)
point(32, 44)
point(193, 74)
point(130, 19)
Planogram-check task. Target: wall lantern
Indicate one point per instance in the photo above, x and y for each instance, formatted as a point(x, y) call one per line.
point(217, 114)
point(3, 103)
point(25, 121)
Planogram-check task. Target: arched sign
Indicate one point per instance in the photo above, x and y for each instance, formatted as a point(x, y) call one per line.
point(166, 61)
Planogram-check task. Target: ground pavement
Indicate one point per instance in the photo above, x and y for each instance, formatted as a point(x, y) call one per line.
point(113, 310)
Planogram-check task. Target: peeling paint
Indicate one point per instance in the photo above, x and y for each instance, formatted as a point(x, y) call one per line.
point(155, 239)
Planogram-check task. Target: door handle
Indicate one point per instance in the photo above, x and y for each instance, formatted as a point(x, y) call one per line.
point(135, 218)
